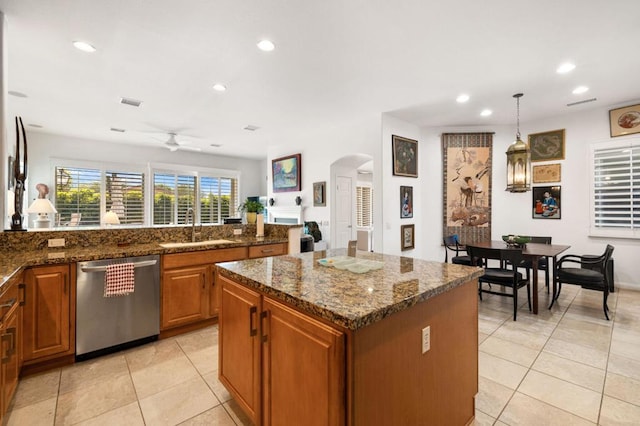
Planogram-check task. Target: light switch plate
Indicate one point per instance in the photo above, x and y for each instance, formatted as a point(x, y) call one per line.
point(237, 232)
point(56, 242)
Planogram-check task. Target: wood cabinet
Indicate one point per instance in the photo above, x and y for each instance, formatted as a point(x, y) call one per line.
point(278, 363)
point(47, 313)
point(189, 294)
point(10, 335)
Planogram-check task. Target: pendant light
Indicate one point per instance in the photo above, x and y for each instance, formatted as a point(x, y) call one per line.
point(518, 160)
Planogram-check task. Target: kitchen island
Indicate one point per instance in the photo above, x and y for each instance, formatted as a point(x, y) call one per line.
point(312, 339)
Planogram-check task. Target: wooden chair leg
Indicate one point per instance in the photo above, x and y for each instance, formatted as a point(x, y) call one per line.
point(515, 300)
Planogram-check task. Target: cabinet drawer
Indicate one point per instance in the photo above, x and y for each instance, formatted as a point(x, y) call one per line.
point(203, 257)
point(267, 250)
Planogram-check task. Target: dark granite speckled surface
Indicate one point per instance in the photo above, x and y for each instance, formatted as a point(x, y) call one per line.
point(348, 299)
point(19, 250)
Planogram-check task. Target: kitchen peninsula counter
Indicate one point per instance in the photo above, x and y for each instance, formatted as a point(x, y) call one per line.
point(300, 339)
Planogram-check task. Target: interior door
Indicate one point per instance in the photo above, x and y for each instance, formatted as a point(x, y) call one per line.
point(344, 200)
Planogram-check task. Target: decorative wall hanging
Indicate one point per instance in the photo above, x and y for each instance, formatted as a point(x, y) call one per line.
point(405, 156)
point(286, 173)
point(546, 173)
point(319, 194)
point(407, 237)
point(467, 185)
point(19, 176)
point(624, 121)
point(546, 202)
point(406, 202)
point(547, 146)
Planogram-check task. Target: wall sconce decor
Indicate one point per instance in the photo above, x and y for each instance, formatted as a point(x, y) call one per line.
point(518, 160)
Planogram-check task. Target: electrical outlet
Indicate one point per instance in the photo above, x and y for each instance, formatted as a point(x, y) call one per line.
point(237, 231)
point(426, 339)
point(56, 242)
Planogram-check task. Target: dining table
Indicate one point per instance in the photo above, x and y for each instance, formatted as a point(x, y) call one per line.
point(533, 252)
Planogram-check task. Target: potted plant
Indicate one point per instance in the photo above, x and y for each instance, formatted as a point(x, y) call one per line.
point(251, 208)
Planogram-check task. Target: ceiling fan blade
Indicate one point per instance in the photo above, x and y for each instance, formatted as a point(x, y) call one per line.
point(189, 148)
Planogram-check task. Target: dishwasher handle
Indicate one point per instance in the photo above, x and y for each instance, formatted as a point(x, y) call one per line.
point(104, 268)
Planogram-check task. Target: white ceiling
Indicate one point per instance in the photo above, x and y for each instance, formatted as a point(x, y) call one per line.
point(336, 62)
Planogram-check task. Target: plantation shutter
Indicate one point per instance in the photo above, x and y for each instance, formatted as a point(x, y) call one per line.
point(125, 196)
point(363, 206)
point(218, 198)
point(78, 191)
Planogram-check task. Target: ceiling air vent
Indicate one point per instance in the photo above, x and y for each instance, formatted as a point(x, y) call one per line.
point(251, 128)
point(215, 145)
point(115, 129)
point(130, 101)
point(582, 102)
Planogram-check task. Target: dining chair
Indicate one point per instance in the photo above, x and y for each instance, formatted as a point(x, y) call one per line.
point(590, 279)
point(543, 264)
point(508, 278)
point(453, 243)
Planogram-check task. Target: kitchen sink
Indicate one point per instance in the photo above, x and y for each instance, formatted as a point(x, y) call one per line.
point(195, 243)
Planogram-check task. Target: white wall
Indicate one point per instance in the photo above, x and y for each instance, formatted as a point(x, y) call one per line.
point(511, 212)
point(324, 147)
point(43, 147)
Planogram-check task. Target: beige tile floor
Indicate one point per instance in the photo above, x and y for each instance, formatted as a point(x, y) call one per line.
point(568, 366)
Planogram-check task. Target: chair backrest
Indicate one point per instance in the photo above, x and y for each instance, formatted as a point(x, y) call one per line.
point(605, 267)
point(512, 255)
point(451, 242)
point(540, 240)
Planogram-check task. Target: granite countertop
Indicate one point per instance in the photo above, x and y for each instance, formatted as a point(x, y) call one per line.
point(348, 299)
point(12, 261)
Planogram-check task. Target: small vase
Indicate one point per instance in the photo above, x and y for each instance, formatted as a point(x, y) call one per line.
point(251, 217)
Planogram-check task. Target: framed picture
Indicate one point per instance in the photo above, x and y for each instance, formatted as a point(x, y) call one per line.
point(466, 185)
point(286, 173)
point(407, 237)
point(546, 202)
point(546, 173)
point(547, 146)
point(625, 120)
point(406, 202)
point(405, 156)
point(319, 194)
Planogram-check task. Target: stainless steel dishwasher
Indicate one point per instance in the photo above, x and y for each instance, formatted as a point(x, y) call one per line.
point(108, 324)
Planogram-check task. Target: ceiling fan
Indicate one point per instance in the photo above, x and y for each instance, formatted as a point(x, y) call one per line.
point(173, 145)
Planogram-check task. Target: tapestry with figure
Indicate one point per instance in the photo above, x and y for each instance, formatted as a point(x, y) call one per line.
point(467, 185)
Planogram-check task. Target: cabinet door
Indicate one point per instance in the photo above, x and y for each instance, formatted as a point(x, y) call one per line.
point(303, 369)
point(184, 296)
point(239, 345)
point(10, 350)
point(46, 311)
point(214, 294)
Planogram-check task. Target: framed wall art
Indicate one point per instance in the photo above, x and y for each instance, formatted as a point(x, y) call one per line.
point(466, 183)
point(406, 202)
point(405, 156)
point(547, 146)
point(319, 194)
point(546, 202)
point(286, 173)
point(546, 173)
point(407, 237)
point(625, 120)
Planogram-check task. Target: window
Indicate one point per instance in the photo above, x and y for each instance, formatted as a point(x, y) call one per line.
point(79, 192)
point(364, 206)
point(615, 195)
point(217, 198)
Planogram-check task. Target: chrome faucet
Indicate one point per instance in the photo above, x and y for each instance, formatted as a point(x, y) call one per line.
point(191, 214)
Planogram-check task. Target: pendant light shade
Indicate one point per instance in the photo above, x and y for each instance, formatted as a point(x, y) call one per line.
point(518, 160)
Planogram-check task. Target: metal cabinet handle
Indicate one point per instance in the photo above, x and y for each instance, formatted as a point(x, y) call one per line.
point(8, 304)
point(23, 287)
point(267, 250)
point(252, 312)
point(6, 356)
point(263, 335)
point(13, 332)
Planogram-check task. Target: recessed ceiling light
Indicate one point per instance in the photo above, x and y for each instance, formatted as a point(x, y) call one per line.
point(130, 101)
point(266, 45)
point(84, 46)
point(219, 87)
point(462, 98)
point(580, 90)
point(486, 112)
point(565, 68)
point(17, 94)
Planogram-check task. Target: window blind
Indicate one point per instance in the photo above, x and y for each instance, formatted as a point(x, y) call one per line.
point(616, 191)
point(363, 206)
point(125, 196)
point(78, 191)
